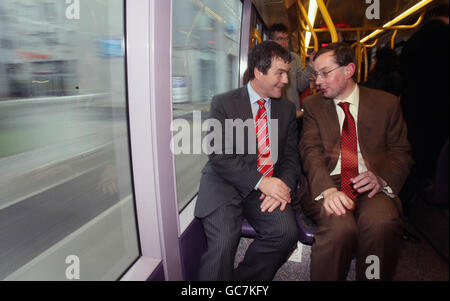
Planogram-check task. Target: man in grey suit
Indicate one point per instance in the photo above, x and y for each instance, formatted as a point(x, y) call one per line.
point(252, 178)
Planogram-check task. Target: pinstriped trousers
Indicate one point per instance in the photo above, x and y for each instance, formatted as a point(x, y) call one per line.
point(277, 234)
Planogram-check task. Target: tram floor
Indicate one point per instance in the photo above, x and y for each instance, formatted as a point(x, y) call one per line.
point(417, 262)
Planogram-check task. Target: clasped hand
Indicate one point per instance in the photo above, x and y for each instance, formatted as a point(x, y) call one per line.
point(337, 202)
point(368, 181)
point(275, 193)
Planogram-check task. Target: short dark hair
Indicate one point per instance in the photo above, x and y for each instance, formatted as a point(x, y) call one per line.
point(261, 57)
point(277, 27)
point(387, 60)
point(343, 54)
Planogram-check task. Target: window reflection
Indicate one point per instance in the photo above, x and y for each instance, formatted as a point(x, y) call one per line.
point(65, 185)
point(206, 38)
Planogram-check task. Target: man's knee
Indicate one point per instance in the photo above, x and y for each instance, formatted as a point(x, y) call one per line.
point(386, 225)
point(342, 230)
point(290, 233)
point(283, 233)
point(382, 218)
point(224, 241)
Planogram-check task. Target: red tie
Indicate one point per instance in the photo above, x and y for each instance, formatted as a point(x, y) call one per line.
point(265, 163)
point(349, 153)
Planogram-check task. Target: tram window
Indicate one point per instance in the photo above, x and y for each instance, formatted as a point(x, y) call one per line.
point(206, 38)
point(66, 201)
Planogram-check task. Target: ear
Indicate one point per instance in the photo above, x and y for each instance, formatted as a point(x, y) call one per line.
point(350, 69)
point(257, 73)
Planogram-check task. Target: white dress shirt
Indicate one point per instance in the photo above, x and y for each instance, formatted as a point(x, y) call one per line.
point(353, 99)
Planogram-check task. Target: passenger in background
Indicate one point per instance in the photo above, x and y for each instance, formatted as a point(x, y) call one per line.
point(255, 180)
point(385, 75)
point(425, 98)
point(355, 154)
point(298, 76)
point(384, 72)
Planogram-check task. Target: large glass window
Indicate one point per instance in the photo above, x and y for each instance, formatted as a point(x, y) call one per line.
point(206, 39)
point(66, 201)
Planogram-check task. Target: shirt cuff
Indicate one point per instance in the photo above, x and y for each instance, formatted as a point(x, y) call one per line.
point(259, 182)
point(319, 197)
point(388, 191)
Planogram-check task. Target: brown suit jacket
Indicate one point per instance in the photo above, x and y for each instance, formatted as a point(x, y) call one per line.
point(382, 137)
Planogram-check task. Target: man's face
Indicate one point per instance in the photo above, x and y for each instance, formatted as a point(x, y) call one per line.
point(272, 83)
point(281, 38)
point(331, 78)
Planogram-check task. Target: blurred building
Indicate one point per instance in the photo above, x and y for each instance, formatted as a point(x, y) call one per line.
point(36, 50)
point(205, 53)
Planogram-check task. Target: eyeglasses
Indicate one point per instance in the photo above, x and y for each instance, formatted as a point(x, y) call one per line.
point(324, 74)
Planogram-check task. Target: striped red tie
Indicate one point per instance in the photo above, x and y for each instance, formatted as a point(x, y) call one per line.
point(349, 153)
point(265, 163)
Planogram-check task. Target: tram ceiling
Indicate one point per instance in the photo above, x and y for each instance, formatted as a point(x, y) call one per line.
point(348, 13)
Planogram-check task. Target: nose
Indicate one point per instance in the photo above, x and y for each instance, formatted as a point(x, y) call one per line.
point(318, 80)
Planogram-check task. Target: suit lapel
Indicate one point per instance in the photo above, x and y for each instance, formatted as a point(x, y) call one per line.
point(243, 105)
point(274, 109)
point(331, 123)
point(365, 118)
point(244, 112)
point(332, 119)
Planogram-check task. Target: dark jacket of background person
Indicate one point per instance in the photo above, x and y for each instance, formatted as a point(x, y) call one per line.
point(424, 97)
point(385, 74)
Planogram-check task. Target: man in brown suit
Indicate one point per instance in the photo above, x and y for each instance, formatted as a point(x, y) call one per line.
point(355, 155)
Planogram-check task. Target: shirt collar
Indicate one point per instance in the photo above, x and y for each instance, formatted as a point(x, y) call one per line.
point(352, 98)
point(254, 97)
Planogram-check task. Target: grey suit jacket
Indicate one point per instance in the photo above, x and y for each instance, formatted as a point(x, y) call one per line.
point(234, 173)
point(382, 138)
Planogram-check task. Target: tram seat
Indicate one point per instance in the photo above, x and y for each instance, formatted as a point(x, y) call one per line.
point(305, 229)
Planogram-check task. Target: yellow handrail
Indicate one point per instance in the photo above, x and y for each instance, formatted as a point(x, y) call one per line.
point(305, 15)
point(302, 49)
point(302, 24)
point(366, 64)
point(255, 36)
point(372, 45)
point(394, 35)
point(388, 25)
point(367, 46)
point(417, 23)
point(360, 51)
point(326, 16)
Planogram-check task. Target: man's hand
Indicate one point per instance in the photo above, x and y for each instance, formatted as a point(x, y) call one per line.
point(270, 204)
point(299, 113)
point(336, 202)
point(368, 181)
point(274, 190)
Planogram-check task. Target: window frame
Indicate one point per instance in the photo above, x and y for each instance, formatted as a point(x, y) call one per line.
point(148, 32)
